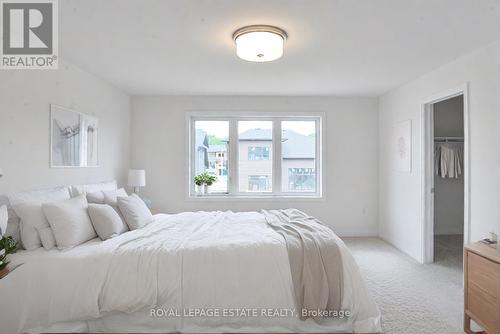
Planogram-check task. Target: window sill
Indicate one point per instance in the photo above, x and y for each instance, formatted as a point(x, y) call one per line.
point(223, 197)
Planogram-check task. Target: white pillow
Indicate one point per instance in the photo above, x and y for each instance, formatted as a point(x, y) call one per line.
point(4, 218)
point(70, 221)
point(110, 198)
point(91, 188)
point(135, 211)
point(112, 195)
point(96, 197)
point(34, 227)
point(106, 221)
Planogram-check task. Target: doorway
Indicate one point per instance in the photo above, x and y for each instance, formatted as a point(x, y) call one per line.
point(445, 177)
point(448, 180)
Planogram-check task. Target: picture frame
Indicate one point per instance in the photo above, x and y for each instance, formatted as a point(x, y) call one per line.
point(74, 138)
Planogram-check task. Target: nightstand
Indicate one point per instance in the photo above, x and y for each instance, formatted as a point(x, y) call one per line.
point(4, 272)
point(482, 287)
point(7, 270)
point(155, 211)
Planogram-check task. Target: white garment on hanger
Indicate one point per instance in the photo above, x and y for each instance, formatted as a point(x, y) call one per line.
point(449, 160)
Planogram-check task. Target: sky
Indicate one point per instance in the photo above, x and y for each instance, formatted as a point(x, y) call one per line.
point(221, 128)
point(216, 128)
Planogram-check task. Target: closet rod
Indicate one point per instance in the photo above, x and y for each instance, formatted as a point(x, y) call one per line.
point(449, 139)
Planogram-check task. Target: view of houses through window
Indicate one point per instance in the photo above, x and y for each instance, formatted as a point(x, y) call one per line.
point(211, 142)
point(255, 161)
point(298, 154)
point(255, 155)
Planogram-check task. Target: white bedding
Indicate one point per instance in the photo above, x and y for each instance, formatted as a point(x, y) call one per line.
point(205, 261)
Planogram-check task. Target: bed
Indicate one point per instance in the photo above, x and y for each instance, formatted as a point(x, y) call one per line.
point(203, 272)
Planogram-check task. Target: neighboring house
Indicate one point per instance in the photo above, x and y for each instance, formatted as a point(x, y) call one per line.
point(201, 143)
point(255, 161)
point(298, 167)
point(211, 159)
point(217, 159)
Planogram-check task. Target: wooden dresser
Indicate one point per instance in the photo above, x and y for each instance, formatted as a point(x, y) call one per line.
point(482, 287)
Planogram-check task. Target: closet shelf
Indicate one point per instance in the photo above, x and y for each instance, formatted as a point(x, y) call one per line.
point(449, 139)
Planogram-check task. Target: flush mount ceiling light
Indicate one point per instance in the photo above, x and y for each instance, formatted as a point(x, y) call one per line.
point(259, 43)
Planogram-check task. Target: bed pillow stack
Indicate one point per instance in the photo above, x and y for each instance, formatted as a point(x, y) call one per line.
point(114, 212)
point(131, 210)
point(54, 217)
point(102, 208)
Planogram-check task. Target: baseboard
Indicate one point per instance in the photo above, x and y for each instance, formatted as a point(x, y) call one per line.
point(352, 234)
point(419, 260)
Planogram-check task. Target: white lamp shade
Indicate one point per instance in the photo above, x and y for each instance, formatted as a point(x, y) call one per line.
point(137, 178)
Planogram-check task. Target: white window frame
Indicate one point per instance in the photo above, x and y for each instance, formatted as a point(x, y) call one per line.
point(233, 154)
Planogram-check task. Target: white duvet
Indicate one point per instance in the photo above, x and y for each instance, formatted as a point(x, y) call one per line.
point(231, 267)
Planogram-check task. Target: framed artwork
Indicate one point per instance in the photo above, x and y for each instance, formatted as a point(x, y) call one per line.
point(73, 138)
point(402, 147)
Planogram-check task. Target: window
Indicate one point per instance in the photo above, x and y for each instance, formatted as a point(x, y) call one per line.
point(257, 156)
point(255, 141)
point(258, 153)
point(210, 145)
point(259, 183)
point(301, 179)
point(298, 156)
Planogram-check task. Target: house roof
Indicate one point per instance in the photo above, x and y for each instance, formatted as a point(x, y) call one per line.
point(201, 138)
point(256, 134)
point(298, 146)
point(295, 145)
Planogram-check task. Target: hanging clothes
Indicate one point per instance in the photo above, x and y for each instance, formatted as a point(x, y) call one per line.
point(448, 159)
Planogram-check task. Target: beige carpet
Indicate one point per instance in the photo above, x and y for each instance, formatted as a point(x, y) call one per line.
point(414, 298)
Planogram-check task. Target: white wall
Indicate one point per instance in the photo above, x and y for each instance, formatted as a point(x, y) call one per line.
point(449, 192)
point(25, 97)
point(400, 194)
point(350, 207)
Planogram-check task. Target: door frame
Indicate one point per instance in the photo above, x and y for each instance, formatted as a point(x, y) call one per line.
point(427, 159)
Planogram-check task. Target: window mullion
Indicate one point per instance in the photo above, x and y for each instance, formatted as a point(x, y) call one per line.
point(319, 157)
point(277, 156)
point(233, 157)
point(191, 157)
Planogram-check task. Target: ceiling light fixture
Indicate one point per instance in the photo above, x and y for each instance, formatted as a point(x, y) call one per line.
point(259, 43)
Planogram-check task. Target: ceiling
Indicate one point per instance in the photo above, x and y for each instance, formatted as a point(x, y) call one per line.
point(335, 47)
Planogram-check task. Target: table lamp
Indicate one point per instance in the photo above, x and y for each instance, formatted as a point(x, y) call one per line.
point(136, 179)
